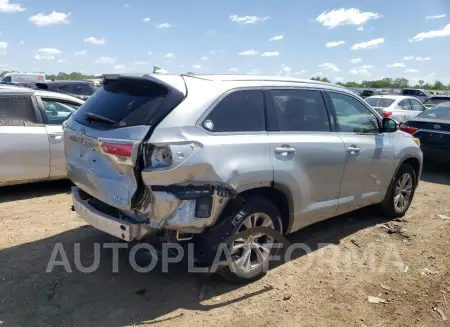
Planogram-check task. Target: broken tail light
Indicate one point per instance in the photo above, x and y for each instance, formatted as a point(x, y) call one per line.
point(120, 152)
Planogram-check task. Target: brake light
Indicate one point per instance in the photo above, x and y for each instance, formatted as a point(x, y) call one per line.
point(408, 129)
point(122, 150)
point(387, 114)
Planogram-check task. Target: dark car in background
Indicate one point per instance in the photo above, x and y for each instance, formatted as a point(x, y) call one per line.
point(420, 94)
point(368, 93)
point(80, 89)
point(435, 100)
point(432, 127)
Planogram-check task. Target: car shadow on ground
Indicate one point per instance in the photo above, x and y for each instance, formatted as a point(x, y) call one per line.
point(67, 296)
point(33, 190)
point(437, 173)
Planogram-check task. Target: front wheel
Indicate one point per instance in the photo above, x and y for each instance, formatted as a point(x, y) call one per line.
point(401, 192)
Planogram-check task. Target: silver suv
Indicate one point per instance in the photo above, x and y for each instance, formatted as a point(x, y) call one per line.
point(206, 157)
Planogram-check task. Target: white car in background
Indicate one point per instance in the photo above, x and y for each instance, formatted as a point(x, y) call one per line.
point(397, 107)
point(31, 142)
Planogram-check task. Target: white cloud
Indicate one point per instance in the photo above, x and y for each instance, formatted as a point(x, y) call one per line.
point(248, 53)
point(106, 60)
point(3, 45)
point(285, 71)
point(318, 74)
point(233, 70)
point(94, 40)
point(411, 70)
point(204, 58)
point(276, 38)
point(3, 65)
point(169, 55)
point(334, 44)
point(211, 31)
point(303, 71)
point(22, 42)
point(212, 52)
point(127, 5)
point(436, 16)
point(149, 53)
point(356, 60)
point(366, 67)
point(359, 72)
point(119, 67)
point(197, 66)
point(329, 66)
point(54, 18)
point(342, 16)
point(338, 79)
point(47, 54)
point(248, 19)
point(408, 58)
point(80, 53)
point(360, 29)
point(369, 44)
point(8, 7)
point(163, 25)
point(61, 60)
point(140, 63)
point(254, 71)
point(146, 20)
point(396, 65)
point(423, 58)
point(432, 34)
point(270, 54)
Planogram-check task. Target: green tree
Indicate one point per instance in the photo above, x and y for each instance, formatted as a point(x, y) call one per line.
point(421, 82)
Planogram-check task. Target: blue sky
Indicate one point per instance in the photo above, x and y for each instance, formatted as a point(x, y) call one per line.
point(341, 39)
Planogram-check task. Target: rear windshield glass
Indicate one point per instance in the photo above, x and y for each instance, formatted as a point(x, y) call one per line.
point(438, 113)
point(123, 102)
point(379, 102)
point(367, 92)
point(437, 100)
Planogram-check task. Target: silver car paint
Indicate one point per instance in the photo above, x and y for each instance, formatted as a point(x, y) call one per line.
point(323, 178)
point(32, 153)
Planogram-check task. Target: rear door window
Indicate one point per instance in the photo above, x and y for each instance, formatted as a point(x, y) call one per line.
point(301, 110)
point(239, 111)
point(405, 105)
point(80, 89)
point(127, 102)
point(416, 105)
point(17, 110)
point(58, 111)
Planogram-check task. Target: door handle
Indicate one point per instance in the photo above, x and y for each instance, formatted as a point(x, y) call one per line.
point(353, 149)
point(284, 150)
point(56, 136)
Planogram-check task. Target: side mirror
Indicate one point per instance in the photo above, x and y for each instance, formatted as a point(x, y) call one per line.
point(389, 125)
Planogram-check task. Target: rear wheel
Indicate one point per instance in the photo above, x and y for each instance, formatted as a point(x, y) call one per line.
point(249, 254)
point(401, 192)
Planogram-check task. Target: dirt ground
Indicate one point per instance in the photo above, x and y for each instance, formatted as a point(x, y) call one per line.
point(354, 256)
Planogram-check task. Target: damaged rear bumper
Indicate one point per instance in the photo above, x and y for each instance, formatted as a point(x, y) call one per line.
point(182, 208)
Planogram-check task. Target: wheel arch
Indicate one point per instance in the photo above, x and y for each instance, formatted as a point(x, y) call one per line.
point(280, 196)
point(415, 163)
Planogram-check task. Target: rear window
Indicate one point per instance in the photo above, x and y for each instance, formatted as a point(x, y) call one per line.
point(437, 100)
point(128, 102)
point(367, 92)
point(438, 113)
point(379, 102)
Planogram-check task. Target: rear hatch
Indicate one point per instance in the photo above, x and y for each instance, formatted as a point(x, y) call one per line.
point(103, 138)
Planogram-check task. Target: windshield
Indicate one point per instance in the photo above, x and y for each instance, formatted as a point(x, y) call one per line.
point(437, 113)
point(379, 102)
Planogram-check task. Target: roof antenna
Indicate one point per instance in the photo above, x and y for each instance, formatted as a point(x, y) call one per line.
point(159, 70)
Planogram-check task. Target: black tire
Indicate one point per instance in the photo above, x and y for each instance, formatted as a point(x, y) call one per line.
point(228, 226)
point(388, 206)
